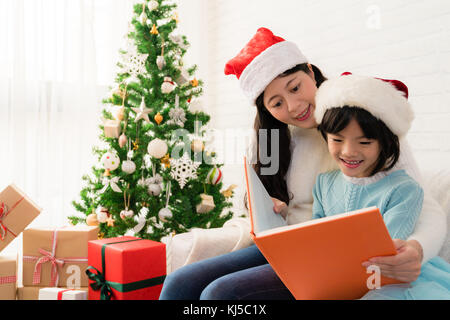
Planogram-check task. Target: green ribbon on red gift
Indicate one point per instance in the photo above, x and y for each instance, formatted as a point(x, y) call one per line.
point(105, 287)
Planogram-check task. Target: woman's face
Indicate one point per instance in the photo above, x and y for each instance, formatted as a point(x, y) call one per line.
point(290, 99)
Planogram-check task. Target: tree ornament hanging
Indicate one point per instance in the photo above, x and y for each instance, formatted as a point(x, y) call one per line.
point(140, 222)
point(154, 185)
point(111, 128)
point(110, 221)
point(142, 112)
point(227, 193)
point(194, 82)
point(133, 61)
point(183, 169)
point(165, 161)
point(91, 220)
point(154, 30)
point(128, 166)
point(214, 176)
point(110, 183)
point(110, 162)
point(197, 145)
point(102, 214)
point(122, 140)
point(160, 61)
point(165, 213)
point(157, 148)
point(168, 85)
point(158, 118)
point(124, 214)
point(152, 5)
point(143, 16)
point(177, 115)
point(206, 205)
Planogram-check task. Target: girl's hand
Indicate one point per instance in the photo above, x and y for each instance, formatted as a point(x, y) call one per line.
point(280, 207)
point(405, 265)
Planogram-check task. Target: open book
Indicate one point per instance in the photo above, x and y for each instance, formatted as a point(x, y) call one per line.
point(321, 258)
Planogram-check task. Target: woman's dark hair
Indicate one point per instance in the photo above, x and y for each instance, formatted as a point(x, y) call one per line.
point(337, 119)
point(276, 184)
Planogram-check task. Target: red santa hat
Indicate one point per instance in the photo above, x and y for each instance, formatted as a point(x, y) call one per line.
point(262, 59)
point(385, 99)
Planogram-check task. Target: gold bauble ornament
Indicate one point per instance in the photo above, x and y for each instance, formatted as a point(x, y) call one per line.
point(158, 118)
point(91, 220)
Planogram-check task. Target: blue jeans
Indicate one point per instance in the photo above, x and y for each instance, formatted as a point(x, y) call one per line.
point(238, 275)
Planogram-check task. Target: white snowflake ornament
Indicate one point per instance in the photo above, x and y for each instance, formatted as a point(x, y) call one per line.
point(183, 169)
point(134, 61)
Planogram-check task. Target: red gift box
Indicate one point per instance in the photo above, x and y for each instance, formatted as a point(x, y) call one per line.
point(126, 268)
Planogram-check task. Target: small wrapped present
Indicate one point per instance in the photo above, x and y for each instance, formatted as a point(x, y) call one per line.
point(112, 128)
point(62, 294)
point(7, 278)
point(206, 205)
point(56, 257)
point(126, 268)
point(32, 293)
point(16, 213)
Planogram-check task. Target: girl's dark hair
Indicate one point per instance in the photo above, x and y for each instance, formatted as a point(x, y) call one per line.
point(337, 119)
point(276, 184)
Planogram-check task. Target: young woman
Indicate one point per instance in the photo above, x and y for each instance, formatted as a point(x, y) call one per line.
point(362, 119)
point(278, 79)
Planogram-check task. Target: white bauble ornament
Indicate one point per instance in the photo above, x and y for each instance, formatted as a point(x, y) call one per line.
point(126, 214)
point(168, 85)
point(157, 148)
point(165, 214)
point(160, 62)
point(110, 161)
point(152, 5)
point(154, 189)
point(128, 166)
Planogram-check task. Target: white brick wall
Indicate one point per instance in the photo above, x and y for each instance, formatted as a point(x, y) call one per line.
point(401, 39)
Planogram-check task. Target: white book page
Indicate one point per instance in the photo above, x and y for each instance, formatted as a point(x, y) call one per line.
point(313, 222)
point(264, 218)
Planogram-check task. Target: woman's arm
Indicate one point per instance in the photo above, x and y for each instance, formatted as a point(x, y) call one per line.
point(431, 227)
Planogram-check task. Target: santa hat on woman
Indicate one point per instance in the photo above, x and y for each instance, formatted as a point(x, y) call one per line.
point(262, 59)
point(387, 100)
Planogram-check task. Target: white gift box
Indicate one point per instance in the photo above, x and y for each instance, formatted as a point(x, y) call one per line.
point(66, 294)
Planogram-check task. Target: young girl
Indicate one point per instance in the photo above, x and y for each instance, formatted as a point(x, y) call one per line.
point(277, 78)
point(366, 149)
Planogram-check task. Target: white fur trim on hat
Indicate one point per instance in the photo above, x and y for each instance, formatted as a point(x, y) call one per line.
point(378, 97)
point(268, 65)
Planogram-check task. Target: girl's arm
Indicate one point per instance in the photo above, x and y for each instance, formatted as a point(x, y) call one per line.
point(431, 227)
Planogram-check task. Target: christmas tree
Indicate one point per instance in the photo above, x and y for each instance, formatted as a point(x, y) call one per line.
point(154, 176)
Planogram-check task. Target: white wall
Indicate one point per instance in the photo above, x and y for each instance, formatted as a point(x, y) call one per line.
point(397, 39)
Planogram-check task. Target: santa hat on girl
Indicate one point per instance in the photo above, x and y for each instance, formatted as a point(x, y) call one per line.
point(262, 59)
point(387, 100)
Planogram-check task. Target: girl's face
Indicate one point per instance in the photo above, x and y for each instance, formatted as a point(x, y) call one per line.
point(290, 99)
point(355, 154)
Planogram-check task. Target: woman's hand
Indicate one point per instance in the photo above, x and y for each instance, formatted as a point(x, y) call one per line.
point(405, 265)
point(280, 207)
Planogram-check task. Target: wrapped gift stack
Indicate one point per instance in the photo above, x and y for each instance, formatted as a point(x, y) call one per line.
point(16, 213)
point(69, 263)
point(55, 257)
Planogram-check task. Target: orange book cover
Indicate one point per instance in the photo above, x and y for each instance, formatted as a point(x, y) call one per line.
point(321, 258)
